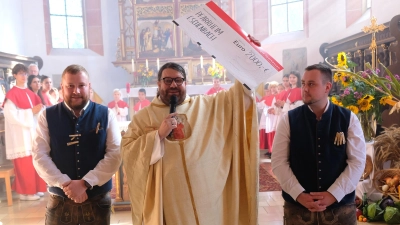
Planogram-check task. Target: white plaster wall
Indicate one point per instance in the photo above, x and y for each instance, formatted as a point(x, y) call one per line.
point(11, 27)
point(327, 24)
point(28, 24)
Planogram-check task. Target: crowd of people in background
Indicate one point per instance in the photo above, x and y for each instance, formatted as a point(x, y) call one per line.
point(278, 99)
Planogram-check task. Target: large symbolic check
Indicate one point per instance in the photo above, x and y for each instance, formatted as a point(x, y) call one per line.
point(222, 38)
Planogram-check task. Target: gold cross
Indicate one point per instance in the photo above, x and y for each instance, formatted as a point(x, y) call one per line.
point(373, 29)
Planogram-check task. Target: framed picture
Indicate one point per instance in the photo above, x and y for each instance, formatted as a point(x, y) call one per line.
point(294, 60)
point(155, 31)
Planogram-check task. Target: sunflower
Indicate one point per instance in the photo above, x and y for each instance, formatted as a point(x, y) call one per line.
point(346, 80)
point(369, 98)
point(353, 108)
point(336, 77)
point(364, 104)
point(334, 100)
point(342, 59)
point(387, 100)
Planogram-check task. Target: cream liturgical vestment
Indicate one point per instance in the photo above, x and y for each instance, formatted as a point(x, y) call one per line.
point(208, 175)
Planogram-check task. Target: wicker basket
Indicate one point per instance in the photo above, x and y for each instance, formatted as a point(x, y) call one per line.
point(379, 182)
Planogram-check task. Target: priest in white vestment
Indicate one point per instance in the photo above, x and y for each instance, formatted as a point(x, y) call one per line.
point(198, 166)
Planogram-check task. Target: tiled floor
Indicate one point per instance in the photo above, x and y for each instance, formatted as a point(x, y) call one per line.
point(270, 210)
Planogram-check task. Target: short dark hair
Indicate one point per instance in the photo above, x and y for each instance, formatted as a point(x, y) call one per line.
point(174, 66)
point(325, 71)
point(142, 90)
point(285, 75)
point(74, 69)
point(19, 67)
point(266, 86)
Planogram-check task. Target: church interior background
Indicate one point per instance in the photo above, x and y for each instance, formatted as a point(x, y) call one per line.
point(123, 43)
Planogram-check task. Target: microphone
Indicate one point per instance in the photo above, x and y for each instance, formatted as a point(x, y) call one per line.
point(172, 107)
point(172, 104)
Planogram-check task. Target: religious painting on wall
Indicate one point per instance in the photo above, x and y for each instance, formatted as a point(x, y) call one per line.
point(152, 1)
point(294, 60)
point(225, 5)
point(155, 31)
point(190, 47)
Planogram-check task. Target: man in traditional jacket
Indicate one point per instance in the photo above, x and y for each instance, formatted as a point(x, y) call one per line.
point(76, 152)
point(197, 166)
point(319, 156)
point(119, 107)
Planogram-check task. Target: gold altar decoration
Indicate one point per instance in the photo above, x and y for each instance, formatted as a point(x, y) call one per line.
point(373, 29)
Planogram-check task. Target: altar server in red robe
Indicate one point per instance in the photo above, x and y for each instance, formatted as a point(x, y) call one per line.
point(143, 102)
point(21, 107)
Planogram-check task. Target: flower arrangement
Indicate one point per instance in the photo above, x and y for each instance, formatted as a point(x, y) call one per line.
point(145, 75)
point(365, 93)
point(215, 72)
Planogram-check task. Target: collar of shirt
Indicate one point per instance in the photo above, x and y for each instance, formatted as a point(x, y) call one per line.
point(326, 108)
point(81, 112)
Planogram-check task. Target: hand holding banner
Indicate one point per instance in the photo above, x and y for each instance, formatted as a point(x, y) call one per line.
point(222, 37)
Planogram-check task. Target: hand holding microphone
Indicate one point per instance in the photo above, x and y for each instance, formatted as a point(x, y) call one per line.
point(169, 122)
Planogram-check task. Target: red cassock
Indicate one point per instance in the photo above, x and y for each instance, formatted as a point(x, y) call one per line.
point(141, 104)
point(26, 181)
point(121, 104)
point(213, 90)
point(295, 95)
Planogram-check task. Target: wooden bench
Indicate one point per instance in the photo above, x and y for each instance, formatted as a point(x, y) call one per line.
point(7, 172)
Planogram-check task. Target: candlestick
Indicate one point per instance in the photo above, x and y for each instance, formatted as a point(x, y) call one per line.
point(133, 66)
point(213, 63)
point(158, 64)
point(201, 61)
point(147, 64)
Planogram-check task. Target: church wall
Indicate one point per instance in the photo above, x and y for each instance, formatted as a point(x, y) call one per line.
point(29, 18)
point(327, 24)
point(11, 27)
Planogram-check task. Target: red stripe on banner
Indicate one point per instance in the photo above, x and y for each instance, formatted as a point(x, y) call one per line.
point(228, 20)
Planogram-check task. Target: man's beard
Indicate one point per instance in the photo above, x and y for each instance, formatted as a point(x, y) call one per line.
point(165, 96)
point(76, 106)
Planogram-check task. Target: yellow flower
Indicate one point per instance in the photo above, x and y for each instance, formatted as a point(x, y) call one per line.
point(369, 98)
point(353, 108)
point(387, 100)
point(336, 77)
point(346, 80)
point(342, 59)
point(364, 104)
point(335, 101)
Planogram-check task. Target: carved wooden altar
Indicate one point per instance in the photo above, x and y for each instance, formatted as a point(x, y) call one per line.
point(148, 35)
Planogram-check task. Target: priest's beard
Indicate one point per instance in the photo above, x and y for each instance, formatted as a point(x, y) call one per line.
point(165, 95)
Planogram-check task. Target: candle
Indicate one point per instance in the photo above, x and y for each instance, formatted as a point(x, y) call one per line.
point(201, 61)
point(158, 64)
point(133, 66)
point(147, 64)
point(213, 63)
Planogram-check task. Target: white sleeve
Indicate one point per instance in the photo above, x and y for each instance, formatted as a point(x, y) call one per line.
point(16, 116)
point(280, 159)
point(356, 156)
point(123, 111)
